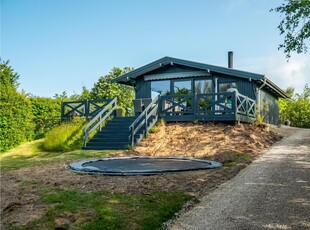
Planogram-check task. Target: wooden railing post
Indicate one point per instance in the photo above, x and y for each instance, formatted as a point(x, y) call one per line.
point(236, 103)
point(247, 106)
point(87, 107)
point(145, 123)
point(195, 105)
point(132, 136)
point(62, 111)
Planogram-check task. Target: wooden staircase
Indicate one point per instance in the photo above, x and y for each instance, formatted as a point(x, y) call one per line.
point(119, 132)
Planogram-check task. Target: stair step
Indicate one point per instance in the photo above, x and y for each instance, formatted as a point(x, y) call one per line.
point(112, 136)
point(110, 126)
point(102, 148)
point(113, 130)
point(110, 139)
point(117, 144)
point(124, 119)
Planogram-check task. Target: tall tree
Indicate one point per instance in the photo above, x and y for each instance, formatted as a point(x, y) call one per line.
point(295, 26)
point(106, 88)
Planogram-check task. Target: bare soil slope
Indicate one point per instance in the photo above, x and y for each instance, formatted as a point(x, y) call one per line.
point(206, 139)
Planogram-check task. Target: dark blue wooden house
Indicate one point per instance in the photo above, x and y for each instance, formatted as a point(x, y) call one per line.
point(182, 90)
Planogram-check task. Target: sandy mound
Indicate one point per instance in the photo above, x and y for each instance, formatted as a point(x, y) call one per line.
point(206, 139)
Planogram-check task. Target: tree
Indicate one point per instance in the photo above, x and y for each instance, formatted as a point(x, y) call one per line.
point(106, 88)
point(63, 96)
point(295, 26)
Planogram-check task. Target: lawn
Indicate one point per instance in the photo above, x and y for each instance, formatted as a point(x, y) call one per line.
point(65, 207)
point(31, 154)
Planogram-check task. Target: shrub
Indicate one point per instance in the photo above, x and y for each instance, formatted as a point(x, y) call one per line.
point(15, 116)
point(46, 114)
point(297, 109)
point(66, 136)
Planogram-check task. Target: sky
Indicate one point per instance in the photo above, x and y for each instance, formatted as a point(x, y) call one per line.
point(63, 45)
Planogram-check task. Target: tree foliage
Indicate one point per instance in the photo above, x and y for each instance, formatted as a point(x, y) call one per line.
point(295, 26)
point(106, 88)
point(15, 116)
point(297, 109)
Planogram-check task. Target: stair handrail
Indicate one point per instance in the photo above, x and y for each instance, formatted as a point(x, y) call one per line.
point(101, 119)
point(144, 115)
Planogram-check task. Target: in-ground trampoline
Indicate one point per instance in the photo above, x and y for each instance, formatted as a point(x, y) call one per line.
point(141, 165)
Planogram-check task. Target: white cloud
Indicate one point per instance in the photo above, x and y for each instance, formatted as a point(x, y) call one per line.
point(294, 73)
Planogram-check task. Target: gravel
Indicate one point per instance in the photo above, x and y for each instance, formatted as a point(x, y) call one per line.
point(272, 193)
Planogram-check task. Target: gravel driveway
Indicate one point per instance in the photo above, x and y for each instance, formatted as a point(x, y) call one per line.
point(272, 193)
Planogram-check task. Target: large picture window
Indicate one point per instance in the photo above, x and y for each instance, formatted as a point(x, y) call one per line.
point(182, 87)
point(160, 88)
point(203, 86)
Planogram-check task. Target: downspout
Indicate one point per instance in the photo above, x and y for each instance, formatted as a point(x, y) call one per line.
point(258, 92)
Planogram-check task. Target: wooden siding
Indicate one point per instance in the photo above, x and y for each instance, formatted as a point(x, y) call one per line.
point(269, 107)
point(143, 88)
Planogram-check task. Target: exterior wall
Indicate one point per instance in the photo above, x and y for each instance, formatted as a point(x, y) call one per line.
point(269, 107)
point(245, 87)
point(143, 88)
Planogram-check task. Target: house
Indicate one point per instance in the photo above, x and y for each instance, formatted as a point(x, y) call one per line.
point(181, 90)
point(189, 86)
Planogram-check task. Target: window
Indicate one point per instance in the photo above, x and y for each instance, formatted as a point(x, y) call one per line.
point(223, 87)
point(182, 87)
point(160, 88)
point(203, 86)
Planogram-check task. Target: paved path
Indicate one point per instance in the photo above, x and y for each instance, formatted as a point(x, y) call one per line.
point(272, 193)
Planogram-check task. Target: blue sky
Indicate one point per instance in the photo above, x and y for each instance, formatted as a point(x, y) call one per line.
point(63, 45)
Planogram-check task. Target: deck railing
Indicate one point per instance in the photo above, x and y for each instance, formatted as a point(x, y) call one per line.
point(82, 108)
point(245, 105)
point(209, 106)
point(98, 120)
point(143, 120)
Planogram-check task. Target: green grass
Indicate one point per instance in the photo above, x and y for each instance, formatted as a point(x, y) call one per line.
point(67, 136)
point(32, 154)
point(103, 210)
point(235, 158)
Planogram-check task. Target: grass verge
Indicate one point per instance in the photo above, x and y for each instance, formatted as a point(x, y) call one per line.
point(32, 154)
point(70, 208)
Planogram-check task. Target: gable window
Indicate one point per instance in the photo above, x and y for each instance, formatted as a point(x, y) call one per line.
point(223, 87)
point(203, 86)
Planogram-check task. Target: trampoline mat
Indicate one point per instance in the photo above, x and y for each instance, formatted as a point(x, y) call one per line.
point(141, 165)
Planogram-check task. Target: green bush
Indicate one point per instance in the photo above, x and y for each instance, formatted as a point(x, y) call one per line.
point(15, 114)
point(46, 114)
point(67, 136)
point(297, 109)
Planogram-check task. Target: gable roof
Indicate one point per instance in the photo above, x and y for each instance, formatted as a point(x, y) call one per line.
point(132, 75)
